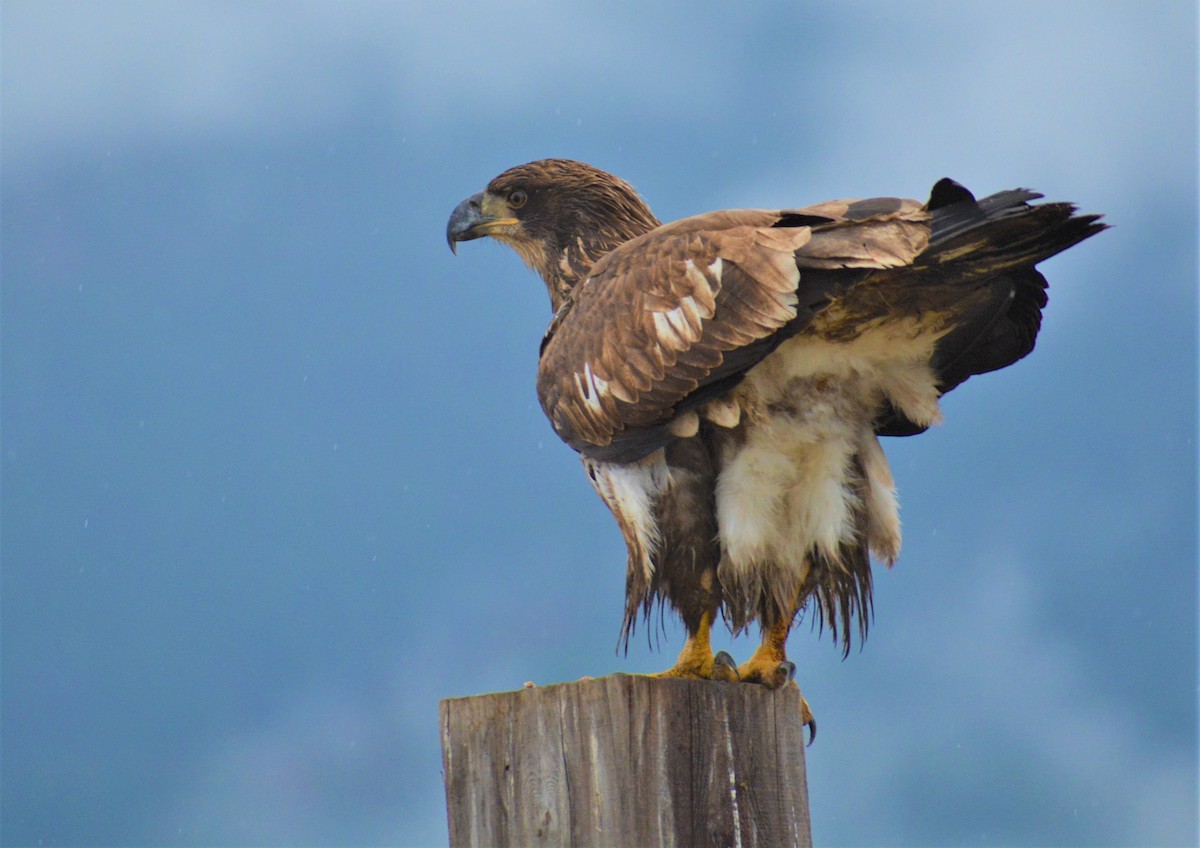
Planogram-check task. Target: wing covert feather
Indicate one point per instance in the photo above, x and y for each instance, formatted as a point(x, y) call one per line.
point(694, 304)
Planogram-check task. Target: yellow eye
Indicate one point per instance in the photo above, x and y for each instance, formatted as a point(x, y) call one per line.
point(517, 198)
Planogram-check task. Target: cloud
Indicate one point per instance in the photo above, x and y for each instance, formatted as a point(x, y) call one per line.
point(77, 74)
point(1061, 114)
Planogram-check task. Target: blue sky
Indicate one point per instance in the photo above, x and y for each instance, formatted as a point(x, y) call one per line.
point(275, 479)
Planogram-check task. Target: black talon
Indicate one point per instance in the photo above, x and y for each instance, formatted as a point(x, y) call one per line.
point(811, 724)
point(724, 668)
point(790, 667)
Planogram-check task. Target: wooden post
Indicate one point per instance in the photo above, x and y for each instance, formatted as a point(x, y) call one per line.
point(627, 761)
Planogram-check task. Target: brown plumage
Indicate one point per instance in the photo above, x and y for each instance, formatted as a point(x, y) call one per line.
point(725, 377)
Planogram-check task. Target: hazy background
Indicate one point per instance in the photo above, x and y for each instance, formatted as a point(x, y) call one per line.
point(275, 479)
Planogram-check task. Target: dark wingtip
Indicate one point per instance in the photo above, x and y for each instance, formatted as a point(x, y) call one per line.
point(946, 192)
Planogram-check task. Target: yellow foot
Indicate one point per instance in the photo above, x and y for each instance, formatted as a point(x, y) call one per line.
point(773, 673)
point(693, 667)
point(770, 671)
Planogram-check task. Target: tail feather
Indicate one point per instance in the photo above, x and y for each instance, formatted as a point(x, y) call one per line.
point(1002, 231)
point(989, 247)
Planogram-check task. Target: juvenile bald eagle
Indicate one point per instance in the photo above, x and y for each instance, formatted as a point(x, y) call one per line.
point(725, 378)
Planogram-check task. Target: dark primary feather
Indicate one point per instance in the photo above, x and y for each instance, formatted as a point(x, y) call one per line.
point(998, 239)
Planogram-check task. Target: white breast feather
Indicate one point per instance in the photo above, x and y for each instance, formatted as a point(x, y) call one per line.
point(789, 487)
point(784, 491)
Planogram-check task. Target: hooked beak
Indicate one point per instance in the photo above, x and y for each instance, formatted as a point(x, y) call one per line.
point(471, 220)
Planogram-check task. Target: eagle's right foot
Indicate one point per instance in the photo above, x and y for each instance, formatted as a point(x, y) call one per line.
point(770, 667)
point(772, 672)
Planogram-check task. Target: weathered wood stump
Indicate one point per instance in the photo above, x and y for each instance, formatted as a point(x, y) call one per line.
point(627, 761)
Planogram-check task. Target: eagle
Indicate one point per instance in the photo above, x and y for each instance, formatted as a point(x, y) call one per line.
point(726, 378)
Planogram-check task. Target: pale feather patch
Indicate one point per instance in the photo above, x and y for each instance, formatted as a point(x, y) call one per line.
point(685, 426)
point(591, 387)
point(778, 274)
point(664, 330)
point(724, 412)
point(888, 358)
point(704, 291)
point(772, 260)
point(791, 486)
point(619, 391)
point(692, 312)
point(631, 490)
point(680, 322)
point(820, 506)
point(883, 510)
point(749, 490)
point(786, 491)
point(682, 325)
point(913, 389)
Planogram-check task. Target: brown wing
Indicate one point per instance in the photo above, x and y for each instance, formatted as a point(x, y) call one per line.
point(674, 318)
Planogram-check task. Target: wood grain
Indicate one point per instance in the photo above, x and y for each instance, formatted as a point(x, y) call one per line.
point(627, 761)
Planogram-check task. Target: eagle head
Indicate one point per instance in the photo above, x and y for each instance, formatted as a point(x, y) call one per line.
point(559, 215)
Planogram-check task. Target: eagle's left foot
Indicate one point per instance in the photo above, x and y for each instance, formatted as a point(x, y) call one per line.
point(694, 664)
point(681, 671)
point(696, 660)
